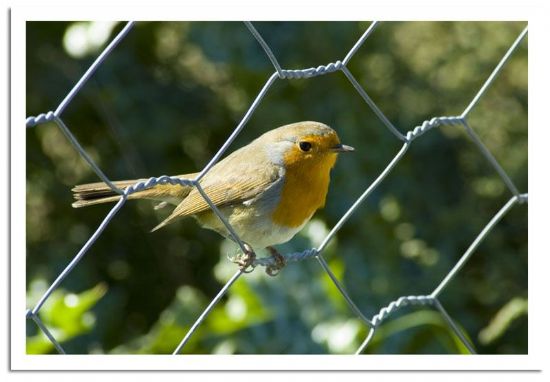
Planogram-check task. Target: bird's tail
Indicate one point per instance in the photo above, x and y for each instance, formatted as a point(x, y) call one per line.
point(98, 193)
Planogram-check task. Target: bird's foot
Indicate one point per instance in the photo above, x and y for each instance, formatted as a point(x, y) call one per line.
point(280, 262)
point(245, 260)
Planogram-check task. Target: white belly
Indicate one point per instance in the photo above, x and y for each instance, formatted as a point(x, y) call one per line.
point(254, 229)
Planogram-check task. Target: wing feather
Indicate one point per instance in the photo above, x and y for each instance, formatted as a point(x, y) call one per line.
point(229, 192)
point(229, 182)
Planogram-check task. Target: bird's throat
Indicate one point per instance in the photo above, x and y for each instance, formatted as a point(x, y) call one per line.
point(304, 191)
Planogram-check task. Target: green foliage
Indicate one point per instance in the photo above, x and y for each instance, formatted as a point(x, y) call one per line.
point(513, 310)
point(66, 315)
point(168, 97)
point(426, 326)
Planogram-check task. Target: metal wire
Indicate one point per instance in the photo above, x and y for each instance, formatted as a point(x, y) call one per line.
point(280, 73)
point(265, 47)
point(494, 74)
point(484, 232)
point(208, 309)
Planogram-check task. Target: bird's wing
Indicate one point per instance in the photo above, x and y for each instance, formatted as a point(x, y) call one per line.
point(230, 181)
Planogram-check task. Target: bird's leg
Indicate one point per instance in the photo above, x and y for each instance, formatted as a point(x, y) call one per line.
point(246, 260)
point(280, 262)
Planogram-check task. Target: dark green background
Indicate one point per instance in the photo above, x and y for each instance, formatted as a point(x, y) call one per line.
point(167, 98)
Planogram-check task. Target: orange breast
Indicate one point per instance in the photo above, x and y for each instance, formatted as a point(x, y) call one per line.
point(304, 190)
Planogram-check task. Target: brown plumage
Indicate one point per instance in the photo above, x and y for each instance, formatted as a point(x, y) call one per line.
point(267, 189)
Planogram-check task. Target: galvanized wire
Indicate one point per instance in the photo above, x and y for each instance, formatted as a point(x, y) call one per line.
point(208, 309)
point(280, 73)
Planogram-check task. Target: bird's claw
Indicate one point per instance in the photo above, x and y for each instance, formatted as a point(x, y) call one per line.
point(245, 261)
point(280, 262)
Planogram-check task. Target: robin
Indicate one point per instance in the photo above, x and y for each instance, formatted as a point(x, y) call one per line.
point(268, 190)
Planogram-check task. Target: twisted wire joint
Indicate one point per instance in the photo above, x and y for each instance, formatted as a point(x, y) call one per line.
point(40, 118)
point(430, 124)
point(312, 72)
point(151, 182)
point(400, 302)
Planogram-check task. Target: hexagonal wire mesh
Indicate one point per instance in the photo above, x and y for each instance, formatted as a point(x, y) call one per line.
point(430, 299)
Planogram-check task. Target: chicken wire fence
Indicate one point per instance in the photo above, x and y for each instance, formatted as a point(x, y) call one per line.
point(272, 263)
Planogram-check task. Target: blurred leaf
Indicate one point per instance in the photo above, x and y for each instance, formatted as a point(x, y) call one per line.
point(172, 326)
point(66, 315)
point(511, 311)
point(339, 336)
point(242, 309)
point(427, 320)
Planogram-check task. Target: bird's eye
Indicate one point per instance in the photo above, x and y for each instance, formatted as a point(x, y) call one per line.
point(305, 146)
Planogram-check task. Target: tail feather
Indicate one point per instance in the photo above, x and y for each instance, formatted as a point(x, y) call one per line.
point(90, 202)
point(98, 193)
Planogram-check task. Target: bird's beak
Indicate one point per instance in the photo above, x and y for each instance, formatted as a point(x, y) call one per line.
point(340, 148)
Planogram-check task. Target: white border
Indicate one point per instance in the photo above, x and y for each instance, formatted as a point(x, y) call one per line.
point(280, 10)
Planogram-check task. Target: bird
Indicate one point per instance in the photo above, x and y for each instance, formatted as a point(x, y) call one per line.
point(267, 190)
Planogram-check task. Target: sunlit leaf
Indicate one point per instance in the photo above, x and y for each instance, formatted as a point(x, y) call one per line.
point(511, 311)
